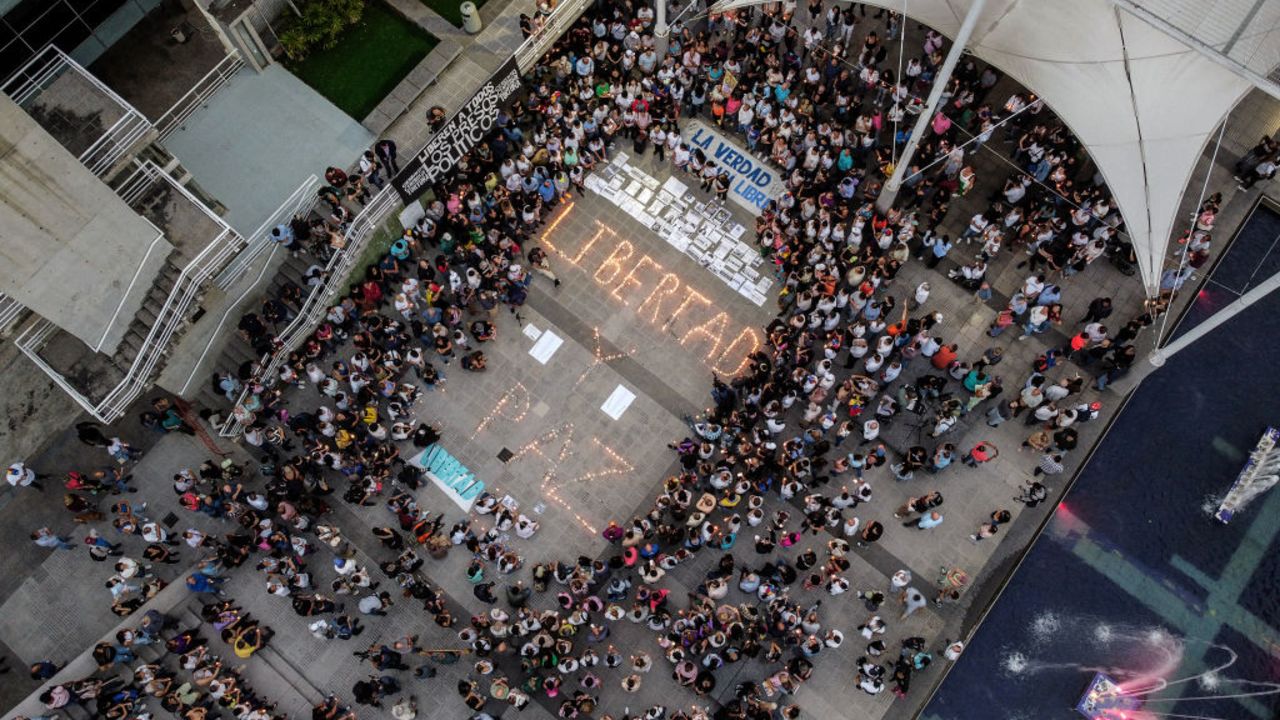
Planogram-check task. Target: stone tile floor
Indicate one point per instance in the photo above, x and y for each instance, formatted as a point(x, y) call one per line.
point(670, 379)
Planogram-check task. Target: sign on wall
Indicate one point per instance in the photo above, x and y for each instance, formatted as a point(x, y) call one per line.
point(460, 134)
point(755, 182)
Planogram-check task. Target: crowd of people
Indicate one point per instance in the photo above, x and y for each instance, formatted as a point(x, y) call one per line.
point(183, 676)
point(767, 465)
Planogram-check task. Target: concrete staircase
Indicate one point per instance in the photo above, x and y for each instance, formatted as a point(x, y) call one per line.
point(238, 352)
point(145, 318)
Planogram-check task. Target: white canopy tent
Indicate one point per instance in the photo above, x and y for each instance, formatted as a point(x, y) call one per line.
point(1143, 103)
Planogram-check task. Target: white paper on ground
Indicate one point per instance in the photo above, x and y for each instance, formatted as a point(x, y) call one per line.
point(618, 402)
point(532, 332)
point(546, 346)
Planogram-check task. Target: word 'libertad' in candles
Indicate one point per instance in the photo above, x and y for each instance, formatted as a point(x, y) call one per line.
point(664, 300)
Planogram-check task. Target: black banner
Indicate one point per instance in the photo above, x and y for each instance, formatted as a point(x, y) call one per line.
point(460, 134)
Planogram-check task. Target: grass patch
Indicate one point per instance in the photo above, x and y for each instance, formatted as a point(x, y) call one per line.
point(448, 9)
point(378, 246)
point(370, 59)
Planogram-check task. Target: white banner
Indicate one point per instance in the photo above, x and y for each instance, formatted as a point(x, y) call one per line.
point(755, 182)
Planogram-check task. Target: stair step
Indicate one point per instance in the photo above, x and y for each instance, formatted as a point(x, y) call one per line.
point(146, 316)
point(170, 272)
point(296, 273)
point(238, 354)
point(140, 325)
point(300, 261)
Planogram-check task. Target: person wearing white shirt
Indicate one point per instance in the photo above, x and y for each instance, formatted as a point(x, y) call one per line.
point(19, 475)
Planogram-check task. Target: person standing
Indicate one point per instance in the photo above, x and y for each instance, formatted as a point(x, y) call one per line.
point(90, 434)
point(987, 529)
point(19, 475)
point(386, 150)
point(1050, 464)
point(938, 246)
point(46, 538)
point(1264, 170)
point(900, 580)
point(912, 600)
point(1099, 310)
point(371, 169)
point(926, 522)
point(980, 453)
point(122, 451)
point(1117, 361)
point(1265, 148)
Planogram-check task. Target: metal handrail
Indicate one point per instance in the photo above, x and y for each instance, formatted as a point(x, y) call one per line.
point(172, 316)
point(231, 308)
point(29, 343)
point(48, 64)
point(10, 311)
point(125, 295)
point(532, 49)
point(302, 201)
point(204, 88)
point(106, 150)
point(132, 188)
point(316, 305)
point(168, 321)
point(53, 63)
point(66, 61)
point(364, 225)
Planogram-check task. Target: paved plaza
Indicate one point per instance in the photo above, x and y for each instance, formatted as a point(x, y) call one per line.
point(633, 312)
point(586, 388)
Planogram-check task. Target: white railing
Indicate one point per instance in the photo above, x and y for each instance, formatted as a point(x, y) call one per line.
point(10, 311)
point(236, 269)
point(132, 281)
point(367, 222)
point(300, 202)
point(211, 83)
point(135, 186)
point(172, 317)
point(43, 69)
point(537, 44)
point(30, 342)
point(103, 154)
point(316, 305)
point(232, 308)
point(169, 320)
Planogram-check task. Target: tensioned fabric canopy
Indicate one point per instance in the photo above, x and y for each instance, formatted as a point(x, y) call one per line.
point(1143, 103)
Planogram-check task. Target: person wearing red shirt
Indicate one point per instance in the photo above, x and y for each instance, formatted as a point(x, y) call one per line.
point(944, 357)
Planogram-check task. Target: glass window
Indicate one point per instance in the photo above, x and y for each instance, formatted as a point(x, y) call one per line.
point(7, 34)
point(94, 12)
point(28, 11)
point(71, 36)
point(13, 56)
point(46, 27)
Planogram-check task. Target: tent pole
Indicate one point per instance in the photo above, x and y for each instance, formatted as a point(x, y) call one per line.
point(890, 191)
point(661, 33)
point(1159, 357)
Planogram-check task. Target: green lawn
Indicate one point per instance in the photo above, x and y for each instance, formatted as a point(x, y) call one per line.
point(448, 9)
point(378, 246)
point(370, 59)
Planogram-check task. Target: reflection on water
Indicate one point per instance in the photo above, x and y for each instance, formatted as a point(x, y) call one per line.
point(1134, 577)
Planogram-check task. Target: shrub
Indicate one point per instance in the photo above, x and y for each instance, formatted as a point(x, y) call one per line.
point(322, 22)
